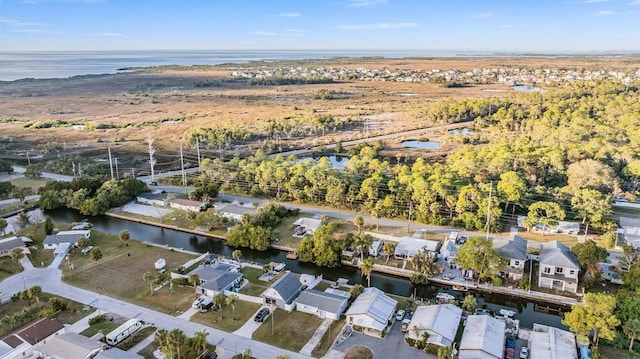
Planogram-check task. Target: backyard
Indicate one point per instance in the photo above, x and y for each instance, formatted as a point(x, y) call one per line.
point(225, 320)
point(291, 331)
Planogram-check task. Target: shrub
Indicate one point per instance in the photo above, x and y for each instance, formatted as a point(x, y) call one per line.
point(97, 319)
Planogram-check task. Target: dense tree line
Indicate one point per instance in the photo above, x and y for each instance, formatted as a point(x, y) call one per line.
point(290, 80)
point(259, 231)
point(576, 147)
point(90, 195)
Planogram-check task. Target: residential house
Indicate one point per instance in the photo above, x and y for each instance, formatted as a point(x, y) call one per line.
point(561, 227)
point(322, 304)
point(372, 312)
point(234, 211)
point(217, 279)
point(550, 342)
point(449, 250)
point(19, 343)
point(116, 353)
point(630, 230)
point(70, 346)
point(483, 338)
point(158, 199)
point(70, 238)
point(608, 268)
point(283, 292)
point(375, 248)
point(308, 225)
point(515, 251)
point(558, 268)
point(439, 321)
point(186, 204)
point(8, 244)
point(408, 247)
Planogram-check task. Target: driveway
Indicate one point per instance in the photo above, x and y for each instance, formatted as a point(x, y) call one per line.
point(391, 346)
point(247, 329)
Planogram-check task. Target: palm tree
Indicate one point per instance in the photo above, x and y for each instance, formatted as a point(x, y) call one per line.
point(35, 292)
point(96, 253)
point(3, 225)
point(231, 300)
point(194, 280)
point(444, 352)
point(176, 338)
point(389, 248)
point(359, 222)
point(16, 254)
point(237, 254)
point(124, 236)
point(163, 344)
point(632, 330)
point(363, 241)
point(366, 266)
point(469, 303)
point(148, 277)
point(200, 341)
point(219, 301)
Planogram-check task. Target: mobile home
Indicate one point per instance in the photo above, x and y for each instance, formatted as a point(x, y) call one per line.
point(124, 331)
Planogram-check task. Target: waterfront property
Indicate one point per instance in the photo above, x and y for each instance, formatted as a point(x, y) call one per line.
point(559, 267)
point(233, 211)
point(217, 279)
point(408, 247)
point(158, 199)
point(70, 346)
point(10, 243)
point(307, 225)
point(115, 353)
point(483, 338)
point(630, 230)
point(550, 342)
point(607, 268)
point(69, 238)
point(440, 322)
point(19, 344)
point(185, 204)
point(515, 251)
point(372, 312)
point(283, 292)
point(323, 304)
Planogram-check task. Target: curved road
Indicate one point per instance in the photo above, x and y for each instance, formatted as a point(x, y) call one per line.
point(49, 280)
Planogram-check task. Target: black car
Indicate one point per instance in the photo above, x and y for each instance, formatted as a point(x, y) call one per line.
point(213, 355)
point(262, 315)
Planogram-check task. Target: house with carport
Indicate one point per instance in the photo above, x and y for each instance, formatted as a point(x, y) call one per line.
point(483, 338)
point(10, 243)
point(283, 292)
point(514, 250)
point(158, 199)
point(20, 342)
point(233, 211)
point(558, 268)
point(551, 342)
point(70, 346)
point(440, 322)
point(217, 279)
point(117, 353)
point(70, 238)
point(323, 304)
point(408, 247)
point(372, 312)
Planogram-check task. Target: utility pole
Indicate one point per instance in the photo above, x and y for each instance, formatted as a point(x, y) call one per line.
point(117, 173)
point(133, 172)
point(80, 169)
point(110, 162)
point(152, 161)
point(198, 149)
point(28, 159)
point(184, 177)
point(409, 222)
point(489, 208)
point(73, 168)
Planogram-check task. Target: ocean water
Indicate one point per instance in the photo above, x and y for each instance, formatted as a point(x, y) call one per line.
point(62, 64)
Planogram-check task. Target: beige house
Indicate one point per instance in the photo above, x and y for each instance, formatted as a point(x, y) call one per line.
point(372, 312)
point(559, 268)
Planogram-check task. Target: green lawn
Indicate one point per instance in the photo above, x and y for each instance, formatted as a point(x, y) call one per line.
point(224, 321)
point(33, 183)
point(291, 331)
point(103, 327)
point(328, 338)
point(9, 267)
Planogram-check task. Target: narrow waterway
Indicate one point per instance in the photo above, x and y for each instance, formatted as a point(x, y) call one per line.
point(529, 312)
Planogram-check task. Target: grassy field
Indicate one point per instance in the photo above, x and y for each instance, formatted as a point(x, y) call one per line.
point(224, 321)
point(291, 330)
point(358, 352)
point(9, 267)
point(103, 327)
point(33, 183)
point(328, 338)
point(128, 262)
point(255, 286)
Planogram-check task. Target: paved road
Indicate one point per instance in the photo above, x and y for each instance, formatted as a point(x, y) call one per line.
point(49, 279)
point(54, 176)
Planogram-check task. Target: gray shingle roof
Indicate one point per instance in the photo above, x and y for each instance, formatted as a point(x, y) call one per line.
point(321, 300)
point(558, 255)
point(516, 248)
point(115, 353)
point(7, 244)
point(62, 238)
point(217, 278)
point(288, 286)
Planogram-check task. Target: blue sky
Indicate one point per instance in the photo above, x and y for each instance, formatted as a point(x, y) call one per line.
point(472, 25)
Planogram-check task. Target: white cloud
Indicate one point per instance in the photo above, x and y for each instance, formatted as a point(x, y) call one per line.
point(295, 31)
point(593, 1)
point(485, 15)
point(110, 34)
point(264, 33)
point(366, 3)
point(289, 14)
point(605, 13)
point(37, 32)
point(379, 26)
point(13, 22)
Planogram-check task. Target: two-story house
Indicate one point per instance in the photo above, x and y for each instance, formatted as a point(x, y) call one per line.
point(559, 268)
point(515, 251)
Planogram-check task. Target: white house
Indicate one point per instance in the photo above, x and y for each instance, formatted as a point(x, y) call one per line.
point(217, 279)
point(283, 292)
point(630, 230)
point(19, 343)
point(185, 204)
point(562, 227)
point(515, 251)
point(158, 199)
point(233, 211)
point(372, 312)
point(322, 304)
point(375, 248)
point(550, 342)
point(52, 241)
point(408, 247)
point(439, 321)
point(70, 346)
point(559, 267)
point(310, 225)
point(607, 268)
point(116, 353)
point(8, 244)
point(483, 338)
point(449, 250)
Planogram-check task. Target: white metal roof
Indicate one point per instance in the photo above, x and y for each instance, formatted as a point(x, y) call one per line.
point(550, 343)
point(374, 304)
point(441, 320)
point(483, 337)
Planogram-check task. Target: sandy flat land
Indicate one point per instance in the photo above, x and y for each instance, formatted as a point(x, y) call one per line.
point(130, 107)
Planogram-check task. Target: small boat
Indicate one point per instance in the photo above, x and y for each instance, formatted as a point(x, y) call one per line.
point(445, 297)
point(460, 288)
point(277, 266)
point(507, 313)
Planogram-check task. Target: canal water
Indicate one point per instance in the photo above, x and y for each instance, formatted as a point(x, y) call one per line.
point(528, 312)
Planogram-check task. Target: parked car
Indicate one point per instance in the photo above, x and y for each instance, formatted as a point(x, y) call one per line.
point(400, 314)
point(524, 353)
point(261, 315)
point(212, 355)
point(404, 327)
point(153, 183)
